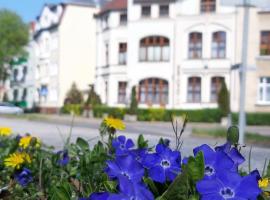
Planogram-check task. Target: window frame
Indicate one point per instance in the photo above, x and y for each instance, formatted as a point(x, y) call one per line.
point(122, 92)
point(121, 22)
point(156, 91)
point(208, 6)
point(148, 13)
point(167, 14)
point(193, 90)
point(264, 85)
point(265, 46)
point(122, 51)
point(220, 38)
point(195, 45)
point(154, 48)
point(217, 82)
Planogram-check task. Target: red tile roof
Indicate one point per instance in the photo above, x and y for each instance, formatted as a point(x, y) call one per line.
point(114, 5)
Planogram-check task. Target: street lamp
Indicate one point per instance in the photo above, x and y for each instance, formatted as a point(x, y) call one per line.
point(246, 4)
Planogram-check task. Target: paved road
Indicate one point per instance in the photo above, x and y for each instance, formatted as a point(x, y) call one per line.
point(54, 133)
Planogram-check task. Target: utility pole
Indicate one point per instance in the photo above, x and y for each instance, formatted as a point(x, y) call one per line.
point(243, 70)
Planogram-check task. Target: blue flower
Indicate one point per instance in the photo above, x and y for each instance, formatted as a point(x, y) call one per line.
point(164, 164)
point(233, 153)
point(131, 191)
point(126, 166)
point(24, 177)
point(122, 145)
point(229, 186)
point(99, 196)
point(63, 158)
point(214, 161)
point(138, 154)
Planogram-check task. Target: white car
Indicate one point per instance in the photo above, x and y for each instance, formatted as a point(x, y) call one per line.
point(8, 108)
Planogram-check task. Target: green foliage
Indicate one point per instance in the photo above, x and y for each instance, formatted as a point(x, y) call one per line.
point(133, 103)
point(202, 115)
point(254, 118)
point(72, 108)
point(141, 142)
point(268, 170)
point(74, 95)
point(14, 36)
point(93, 98)
point(224, 100)
point(183, 186)
point(233, 135)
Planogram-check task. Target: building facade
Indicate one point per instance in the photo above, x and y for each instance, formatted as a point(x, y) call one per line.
point(174, 56)
point(65, 40)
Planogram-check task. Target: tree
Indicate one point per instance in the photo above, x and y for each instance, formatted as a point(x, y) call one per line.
point(93, 98)
point(14, 35)
point(74, 95)
point(134, 103)
point(224, 100)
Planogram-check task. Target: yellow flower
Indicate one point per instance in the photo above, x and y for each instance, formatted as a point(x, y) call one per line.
point(263, 183)
point(15, 160)
point(26, 141)
point(5, 131)
point(114, 123)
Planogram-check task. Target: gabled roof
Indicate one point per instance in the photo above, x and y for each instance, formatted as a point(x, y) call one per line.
point(114, 5)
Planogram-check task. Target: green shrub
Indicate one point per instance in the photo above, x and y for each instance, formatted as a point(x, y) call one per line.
point(133, 107)
point(74, 95)
point(159, 114)
point(253, 118)
point(72, 108)
point(224, 100)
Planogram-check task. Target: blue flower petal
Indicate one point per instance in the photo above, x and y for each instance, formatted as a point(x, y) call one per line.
point(157, 173)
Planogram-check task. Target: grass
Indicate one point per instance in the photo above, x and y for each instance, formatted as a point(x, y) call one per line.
point(251, 138)
point(31, 117)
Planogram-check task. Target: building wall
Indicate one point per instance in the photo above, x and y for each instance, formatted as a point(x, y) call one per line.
point(77, 49)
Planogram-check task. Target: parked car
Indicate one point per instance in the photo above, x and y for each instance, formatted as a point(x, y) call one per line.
point(8, 108)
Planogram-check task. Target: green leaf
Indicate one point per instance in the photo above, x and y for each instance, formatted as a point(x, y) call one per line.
point(151, 185)
point(141, 142)
point(82, 144)
point(233, 135)
point(110, 186)
point(195, 167)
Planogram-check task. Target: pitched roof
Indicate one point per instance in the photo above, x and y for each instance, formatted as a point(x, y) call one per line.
point(114, 5)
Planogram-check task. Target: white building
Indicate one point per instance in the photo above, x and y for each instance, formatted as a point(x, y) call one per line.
point(175, 56)
point(22, 77)
point(65, 37)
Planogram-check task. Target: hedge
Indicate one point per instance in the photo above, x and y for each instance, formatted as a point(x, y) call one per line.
point(203, 115)
point(253, 118)
point(72, 108)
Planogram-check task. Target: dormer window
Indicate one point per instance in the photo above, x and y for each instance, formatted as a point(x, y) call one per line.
point(146, 11)
point(208, 6)
point(123, 19)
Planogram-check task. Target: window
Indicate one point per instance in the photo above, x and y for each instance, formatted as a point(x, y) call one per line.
point(216, 83)
point(164, 10)
point(123, 19)
point(15, 95)
point(24, 73)
point(153, 91)
point(146, 11)
point(195, 45)
point(208, 6)
point(265, 43)
point(264, 90)
point(24, 94)
point(219, 45)
point(194, 90)
point(122, 53)
point(107, 54)
point(15, 75)
point(154, 49)
point(122, 86)
point(106, 22)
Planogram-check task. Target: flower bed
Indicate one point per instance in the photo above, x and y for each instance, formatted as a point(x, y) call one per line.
point(118, 169)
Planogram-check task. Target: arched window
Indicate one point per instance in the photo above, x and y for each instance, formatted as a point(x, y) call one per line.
point(154, 49)
point(219, 44)
point(194, 90)
point(153, 91)
point(216, 83)
point(208, 6)
point(195, 45)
